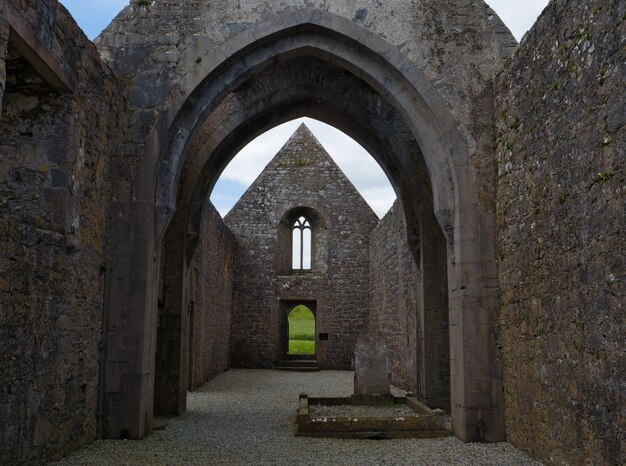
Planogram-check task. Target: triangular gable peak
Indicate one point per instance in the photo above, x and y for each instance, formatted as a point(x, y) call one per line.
point(302, 152)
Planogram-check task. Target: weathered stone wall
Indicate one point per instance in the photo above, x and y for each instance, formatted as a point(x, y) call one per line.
point(427, 31)
point(393, 297)
point(181, 60)
point(560, 152)
point(4, 43)
point(55, 147)
point(301, 175)
point(211, 291)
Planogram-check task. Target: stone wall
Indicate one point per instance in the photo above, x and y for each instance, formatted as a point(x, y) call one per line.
point(449, 52)
point(55, 146)
point(4, 43)
point(560, 143)
point(393, 296)
point(429, 32)
point(302, 175)
point(211, 291)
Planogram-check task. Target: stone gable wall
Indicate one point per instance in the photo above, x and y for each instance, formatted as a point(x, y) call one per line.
point(55, 150)
point(212, 291)
point(300, 175)
point(393, 278)
point(560, 143)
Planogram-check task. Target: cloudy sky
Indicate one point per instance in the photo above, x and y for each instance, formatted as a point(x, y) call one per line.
point(361, 169)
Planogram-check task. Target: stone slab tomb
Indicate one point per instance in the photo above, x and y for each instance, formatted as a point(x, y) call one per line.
point(371, 366)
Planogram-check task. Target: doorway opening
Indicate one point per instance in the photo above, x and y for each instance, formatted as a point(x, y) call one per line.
point(301, 324)
point(298, 324)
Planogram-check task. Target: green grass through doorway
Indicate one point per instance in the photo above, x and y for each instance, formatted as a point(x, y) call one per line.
point(301, 331)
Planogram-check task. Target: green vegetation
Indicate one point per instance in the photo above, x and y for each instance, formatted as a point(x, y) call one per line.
point(602, 177)
point(301, 347)
point(301, 331)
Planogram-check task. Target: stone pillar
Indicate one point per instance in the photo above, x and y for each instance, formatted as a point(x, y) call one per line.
point(475, 368)
point(434, 338)
point(170, 388)
point(130, 322)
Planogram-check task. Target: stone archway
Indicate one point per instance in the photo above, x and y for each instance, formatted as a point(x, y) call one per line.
point(442, 164)
point(376, 125)
point(287, 310)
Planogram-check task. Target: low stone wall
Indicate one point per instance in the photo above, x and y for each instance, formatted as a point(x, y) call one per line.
point(55, 148)
point(211, 291)
point(560, 143)
point(393, 278)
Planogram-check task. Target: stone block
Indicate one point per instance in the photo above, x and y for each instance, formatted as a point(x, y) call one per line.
point(371, 365)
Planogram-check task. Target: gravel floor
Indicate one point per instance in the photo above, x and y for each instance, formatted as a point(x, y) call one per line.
point(246, 417)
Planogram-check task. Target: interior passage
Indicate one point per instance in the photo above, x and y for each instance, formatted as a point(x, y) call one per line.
point(247, 417)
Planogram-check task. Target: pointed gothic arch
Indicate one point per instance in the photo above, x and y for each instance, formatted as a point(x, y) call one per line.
point(453, 217)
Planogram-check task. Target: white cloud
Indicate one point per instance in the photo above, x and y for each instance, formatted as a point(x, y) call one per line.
point(221, 197)
point(519, 16)
point(252, 159)
point(379, 199)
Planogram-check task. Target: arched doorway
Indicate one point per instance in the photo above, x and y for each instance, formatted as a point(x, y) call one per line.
point(301, 331)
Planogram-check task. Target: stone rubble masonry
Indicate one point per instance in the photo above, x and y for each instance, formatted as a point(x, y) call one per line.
point(302, 174)
point(371, 364)
point(181, 60)
point(4, 43)
point(212, 291)
point(393, 287)
point(55, 148)
point(560, 143)
point(75, 190)
point(163, 49)
point(166, 37)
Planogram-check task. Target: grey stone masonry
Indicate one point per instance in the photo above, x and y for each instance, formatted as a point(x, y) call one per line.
point(497, 280)
point(56, 151)
point(371, 364)
point(301, 180)
point(212, 292)
point(561, 164)
point(407, 308)
point(393, 297)
point(4, 42)
point(187, 65)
